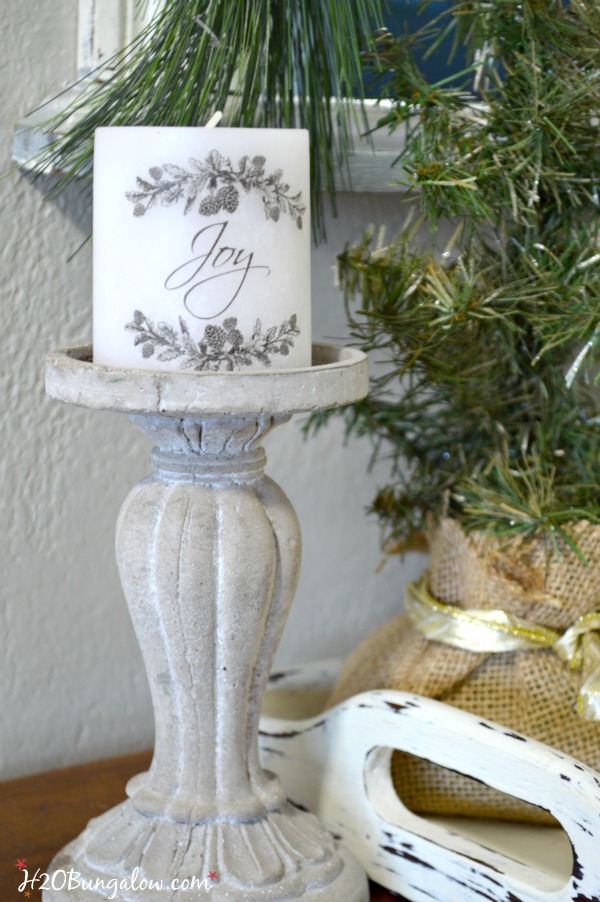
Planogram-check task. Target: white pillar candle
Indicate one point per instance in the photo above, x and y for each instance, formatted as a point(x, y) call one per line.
point(201, 248)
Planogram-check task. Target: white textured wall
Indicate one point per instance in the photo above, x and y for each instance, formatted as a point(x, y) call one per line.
point(72, 685)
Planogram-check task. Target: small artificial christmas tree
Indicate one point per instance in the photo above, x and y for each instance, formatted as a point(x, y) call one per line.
point(484, 391)
point(485, 403)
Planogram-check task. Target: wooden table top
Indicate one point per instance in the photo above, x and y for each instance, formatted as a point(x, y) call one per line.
point(40, 814)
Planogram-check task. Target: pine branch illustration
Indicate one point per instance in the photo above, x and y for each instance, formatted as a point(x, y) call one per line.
point(171, 184)
point(221, 347)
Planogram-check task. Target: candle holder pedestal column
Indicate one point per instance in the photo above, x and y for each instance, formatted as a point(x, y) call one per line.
point(208, 549)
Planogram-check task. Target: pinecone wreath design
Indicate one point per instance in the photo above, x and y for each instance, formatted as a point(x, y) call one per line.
point(220, 183)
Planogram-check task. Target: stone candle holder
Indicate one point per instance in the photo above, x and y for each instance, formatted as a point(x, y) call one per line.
point(208, 550)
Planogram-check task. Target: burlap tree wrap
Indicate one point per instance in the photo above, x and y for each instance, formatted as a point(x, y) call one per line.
point(532, 692)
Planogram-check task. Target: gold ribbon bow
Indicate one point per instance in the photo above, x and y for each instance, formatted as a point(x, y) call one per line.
point(485, 631)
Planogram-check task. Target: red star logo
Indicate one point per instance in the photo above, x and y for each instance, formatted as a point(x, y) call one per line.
point(20, 863)
point(212, 875)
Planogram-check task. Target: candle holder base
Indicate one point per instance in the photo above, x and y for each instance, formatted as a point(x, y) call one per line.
point(284, 855)
point(208, 549)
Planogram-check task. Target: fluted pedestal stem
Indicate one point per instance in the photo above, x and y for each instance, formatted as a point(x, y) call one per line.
point(208, 549)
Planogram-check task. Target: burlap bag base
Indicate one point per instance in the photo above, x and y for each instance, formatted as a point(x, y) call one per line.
point(428, 789)
point(531, 692)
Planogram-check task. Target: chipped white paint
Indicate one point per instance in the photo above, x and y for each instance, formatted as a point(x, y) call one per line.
point(337, 765)
point(104, 27)
point(208, 549)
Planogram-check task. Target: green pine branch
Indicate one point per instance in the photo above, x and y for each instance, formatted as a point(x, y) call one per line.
point(273, 63)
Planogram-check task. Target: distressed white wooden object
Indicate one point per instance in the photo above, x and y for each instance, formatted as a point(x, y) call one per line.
point(369, 168)
point(208, 549)
point(337, 764)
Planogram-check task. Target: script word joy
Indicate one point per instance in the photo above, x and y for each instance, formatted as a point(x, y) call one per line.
point(216, 274)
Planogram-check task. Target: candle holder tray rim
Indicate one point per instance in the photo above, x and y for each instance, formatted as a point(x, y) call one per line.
point(338, 375)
